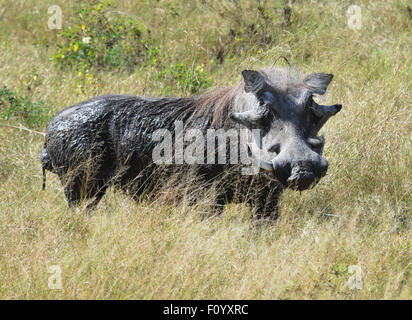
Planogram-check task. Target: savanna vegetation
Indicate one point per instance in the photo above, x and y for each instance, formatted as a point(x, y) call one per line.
point(358, 215)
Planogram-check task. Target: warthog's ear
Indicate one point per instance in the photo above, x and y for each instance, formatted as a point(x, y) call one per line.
point(254, 81)
point(318, 82)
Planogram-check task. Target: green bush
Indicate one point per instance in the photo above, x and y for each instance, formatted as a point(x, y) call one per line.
point(103, 39)
point(30, 113)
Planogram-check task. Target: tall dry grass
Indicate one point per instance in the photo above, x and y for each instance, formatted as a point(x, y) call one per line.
point(359, 214)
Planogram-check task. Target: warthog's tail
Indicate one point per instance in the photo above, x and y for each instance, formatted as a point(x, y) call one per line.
point(44, 178)
point(46, 164)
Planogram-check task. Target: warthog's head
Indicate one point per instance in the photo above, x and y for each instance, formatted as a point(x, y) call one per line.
point(281, 105)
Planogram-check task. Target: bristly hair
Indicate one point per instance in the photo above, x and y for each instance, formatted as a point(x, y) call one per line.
point(216, 105)
point(208, 110)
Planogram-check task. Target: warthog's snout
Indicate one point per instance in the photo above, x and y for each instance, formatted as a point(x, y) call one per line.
point(304, 176)
point(300, 174)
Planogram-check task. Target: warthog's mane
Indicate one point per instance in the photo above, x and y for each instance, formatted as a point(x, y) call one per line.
point(207, 110)
point(217, 104)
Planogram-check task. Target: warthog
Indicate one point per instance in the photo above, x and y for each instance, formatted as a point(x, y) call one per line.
point(110, 139)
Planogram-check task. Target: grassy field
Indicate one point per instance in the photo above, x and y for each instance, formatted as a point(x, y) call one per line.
point(358, 215)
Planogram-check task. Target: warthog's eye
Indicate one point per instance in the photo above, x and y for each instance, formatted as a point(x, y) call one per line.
point(265, 111)
point(271, 110)
point(274, 148)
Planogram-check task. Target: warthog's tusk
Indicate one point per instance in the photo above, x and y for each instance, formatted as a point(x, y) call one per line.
point(267, 166)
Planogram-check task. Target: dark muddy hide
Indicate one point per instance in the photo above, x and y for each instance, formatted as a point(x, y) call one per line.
point(108, 140)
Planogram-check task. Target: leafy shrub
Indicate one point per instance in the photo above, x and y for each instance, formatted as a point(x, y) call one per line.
point(103, 39)
point(31, 113)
